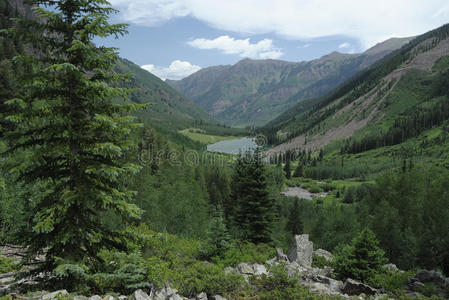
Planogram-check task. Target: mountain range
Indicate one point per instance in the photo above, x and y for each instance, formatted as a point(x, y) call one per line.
point(253, 92)
point(400, 97)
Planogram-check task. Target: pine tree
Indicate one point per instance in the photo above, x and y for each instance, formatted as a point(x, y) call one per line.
point(299, 171)
point(362, 259)
point(254, 213)
point(75, 130)
point(218, 238)
point(287, 167)
point(294, 224)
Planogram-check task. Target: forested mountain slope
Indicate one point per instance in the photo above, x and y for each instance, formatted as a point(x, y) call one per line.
point(168, 106)
point(253, 92)
point(401, 96)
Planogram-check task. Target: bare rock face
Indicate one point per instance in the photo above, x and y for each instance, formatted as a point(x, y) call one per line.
point(301, 250)
point(355, 288)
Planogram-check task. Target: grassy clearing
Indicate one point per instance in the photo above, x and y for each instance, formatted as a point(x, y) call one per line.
point(201, 136)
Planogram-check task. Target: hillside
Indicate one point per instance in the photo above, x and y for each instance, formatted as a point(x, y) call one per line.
point(253, 92)
point(401, 97)
point(168, 106)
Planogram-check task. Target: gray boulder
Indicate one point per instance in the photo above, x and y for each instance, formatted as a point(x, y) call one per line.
point(251, 269)
point(322, 284)
point(96, 297)
point(433, 277)
point(326, 271)
point(323, 253)
point(391, 267)
point(218, 297)
point(167, 293)
point(245, 268)
point(280, 255)
point(140, 295)
point(414, 284)
point(301, 250)
point(80, 297)
point(294, 270)
point(53, 295)
point(201, 296)
point(355, 288)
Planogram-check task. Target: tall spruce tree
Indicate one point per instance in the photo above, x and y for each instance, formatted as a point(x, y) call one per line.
point(287, 167)
point(254, 213)
point(362, 259)
point(74, 128)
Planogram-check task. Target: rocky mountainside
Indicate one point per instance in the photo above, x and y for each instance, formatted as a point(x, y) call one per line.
point(253, 92)
point(403, 95)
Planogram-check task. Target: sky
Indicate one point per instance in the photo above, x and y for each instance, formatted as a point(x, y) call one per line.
point(175, 38)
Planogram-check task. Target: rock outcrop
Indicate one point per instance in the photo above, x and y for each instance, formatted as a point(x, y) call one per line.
point(301, 251)
point(251, 269)
point(417, 283)
point(354, 288)
point(323, 253)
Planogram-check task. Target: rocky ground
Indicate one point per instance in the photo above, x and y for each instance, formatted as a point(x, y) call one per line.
point(297, 262)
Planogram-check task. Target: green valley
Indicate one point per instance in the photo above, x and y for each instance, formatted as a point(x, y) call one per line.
point(108, 190)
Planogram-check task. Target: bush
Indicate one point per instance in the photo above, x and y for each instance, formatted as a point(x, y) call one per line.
point(320, 262)
point(315, 189)
point(429, 289)
point(246, 252)
point(327, 187)
point(7, 265)
point(392, 281)
point(196, 277)
point(279, 286)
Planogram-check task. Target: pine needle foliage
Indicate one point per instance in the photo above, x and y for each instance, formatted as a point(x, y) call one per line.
point(74, 124)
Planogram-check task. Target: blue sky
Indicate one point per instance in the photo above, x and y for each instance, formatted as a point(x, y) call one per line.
point(174, 38)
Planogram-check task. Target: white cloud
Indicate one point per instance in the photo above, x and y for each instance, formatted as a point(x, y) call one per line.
point(307, 45)
point(368, 21)
point(244, 48)
point(344, 46)
point(177, 70)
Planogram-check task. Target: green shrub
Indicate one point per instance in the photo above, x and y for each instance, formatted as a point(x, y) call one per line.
point(191, 279)
point(320, 262)
point(327, 187)
point(315, 189)
point(7, 265)
point(390, 280)
point(429, 289)
point(279, 286)
point(246, 252)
